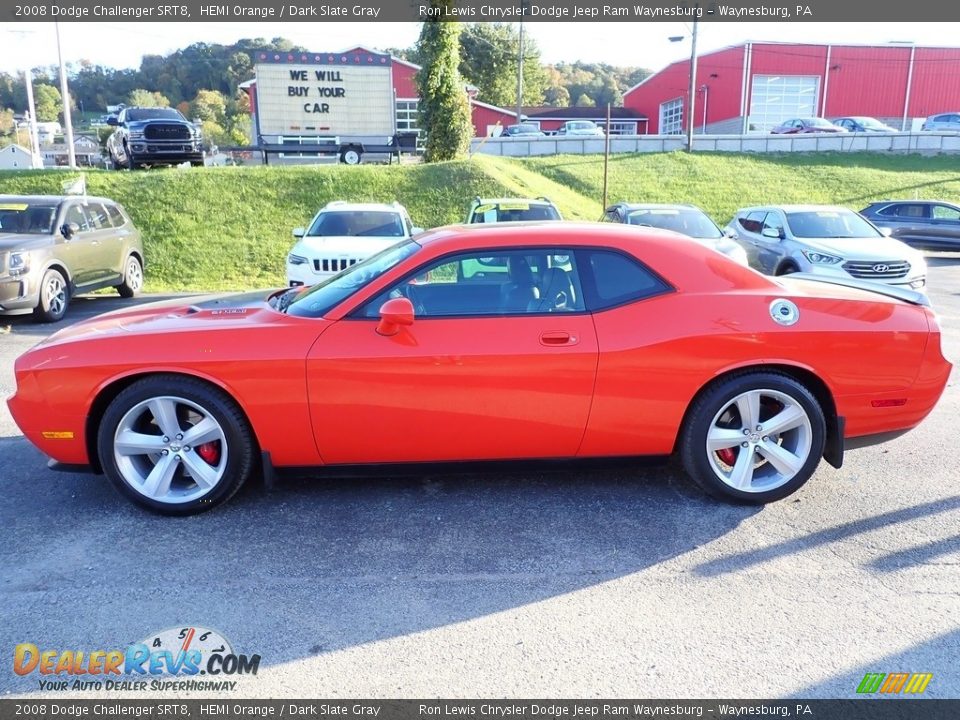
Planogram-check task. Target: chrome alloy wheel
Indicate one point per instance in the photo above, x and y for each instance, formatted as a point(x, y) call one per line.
point(134, 275)
point(54, 294)
point(759, 441)
point(170, 449)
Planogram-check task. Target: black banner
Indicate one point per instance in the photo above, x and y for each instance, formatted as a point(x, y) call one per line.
point(477, 11)
point(873, 709)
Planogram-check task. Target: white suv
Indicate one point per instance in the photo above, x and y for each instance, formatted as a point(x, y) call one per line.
point(342, 234)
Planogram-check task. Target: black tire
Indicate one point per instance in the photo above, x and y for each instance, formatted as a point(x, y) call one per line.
point(131, 163)
point(351, 155)
point(132, 278)
point(115, 163)
point(788, 268)
point(237, 444)
point(54, 297)
point(705, 466)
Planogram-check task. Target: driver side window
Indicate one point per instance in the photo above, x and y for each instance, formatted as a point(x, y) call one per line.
point(517, 282)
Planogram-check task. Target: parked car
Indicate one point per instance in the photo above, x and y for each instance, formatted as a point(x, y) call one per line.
point(626, 349)
point(923, 223)
point(342, 234)
point(490, 210)
point(586, 128)
point(153, 136)
point(800, 126)
point(687, 220)
point(53, 247)
point(863, 124)
point(824, 240)
point(523, 130)
point(943, 121)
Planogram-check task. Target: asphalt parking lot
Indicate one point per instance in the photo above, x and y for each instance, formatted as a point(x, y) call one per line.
point(603, 583)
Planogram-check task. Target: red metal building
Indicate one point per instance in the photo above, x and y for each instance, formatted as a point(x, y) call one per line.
point(754, 86)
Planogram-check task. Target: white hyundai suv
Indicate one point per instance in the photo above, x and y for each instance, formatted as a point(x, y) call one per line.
point(342, 234)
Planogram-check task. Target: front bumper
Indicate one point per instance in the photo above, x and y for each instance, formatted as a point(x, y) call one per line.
point(304, 274)
point(912, 281)
point(17, 296)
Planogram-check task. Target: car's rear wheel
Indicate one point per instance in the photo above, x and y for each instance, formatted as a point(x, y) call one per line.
point(175, 445)
point(755, 437)
point(54, 297)
point(132, 278)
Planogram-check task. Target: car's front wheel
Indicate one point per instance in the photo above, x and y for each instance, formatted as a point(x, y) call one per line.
point(754, 437)
point(175, 445)
point(132, 278)
point(54, 297)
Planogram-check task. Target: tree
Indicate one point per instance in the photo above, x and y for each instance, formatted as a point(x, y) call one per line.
point(557, 96)
point(209, 106)
point(145, 98)
point(48, 102)
point(586, 101)
point(488, 59)
point(444, 109)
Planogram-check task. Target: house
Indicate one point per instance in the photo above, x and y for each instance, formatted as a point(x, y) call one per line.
point(15, 157)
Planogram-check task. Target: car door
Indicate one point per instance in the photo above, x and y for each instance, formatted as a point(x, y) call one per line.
point(488, 370)
point(770, 246)
point(104, 243)
point(944, 228)
point(747, 228)
point(77, 250)
point(909, 222)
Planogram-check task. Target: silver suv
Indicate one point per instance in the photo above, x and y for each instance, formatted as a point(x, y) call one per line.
point(824, 240)
point(52, 247)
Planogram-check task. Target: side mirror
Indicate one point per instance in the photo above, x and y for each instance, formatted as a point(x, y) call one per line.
point(729, 232)
point(69, 230)
point(775, 233)
point(394, 314)
point(299, 232)
point(885, 231)
point(112, 121)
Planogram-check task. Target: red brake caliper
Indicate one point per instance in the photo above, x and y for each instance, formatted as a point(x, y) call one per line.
point(210, 452)
point(727, 455)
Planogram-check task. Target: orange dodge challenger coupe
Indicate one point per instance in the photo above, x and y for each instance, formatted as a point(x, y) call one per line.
point(490, 343)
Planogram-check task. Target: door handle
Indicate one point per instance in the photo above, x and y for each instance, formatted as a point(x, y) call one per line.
point(551, 339)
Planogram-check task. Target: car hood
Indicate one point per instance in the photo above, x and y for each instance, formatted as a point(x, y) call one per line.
point(14, 241)
point(878, 248)
point(206, 312)
point(345, 246)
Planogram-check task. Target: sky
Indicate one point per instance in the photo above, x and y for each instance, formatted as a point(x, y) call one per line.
point(121, 45)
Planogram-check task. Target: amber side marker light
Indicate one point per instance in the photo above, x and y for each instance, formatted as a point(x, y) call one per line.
point(58, 434)
point(895, 402)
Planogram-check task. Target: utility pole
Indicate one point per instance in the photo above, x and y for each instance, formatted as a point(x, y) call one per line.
point(32, 128)
point(520, 68)
point(692, 94)
point(65, 94)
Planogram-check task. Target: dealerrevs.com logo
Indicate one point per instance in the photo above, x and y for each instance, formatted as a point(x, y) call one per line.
point(147, 665)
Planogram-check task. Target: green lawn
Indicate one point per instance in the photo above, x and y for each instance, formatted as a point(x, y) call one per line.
point(229, 228)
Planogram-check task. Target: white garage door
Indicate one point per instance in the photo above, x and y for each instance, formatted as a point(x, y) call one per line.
point(775, 98)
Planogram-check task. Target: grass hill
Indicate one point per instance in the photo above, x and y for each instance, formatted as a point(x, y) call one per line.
point(229, 228)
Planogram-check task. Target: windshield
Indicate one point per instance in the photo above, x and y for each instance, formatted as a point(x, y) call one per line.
point(153, 114)
point(357, 223)
point(819, 122)
point(513, 212)
point(323, 296)
point(524, 129)
point(692, 223)
point(27, 218)
point(585, 125)
point(829, 224)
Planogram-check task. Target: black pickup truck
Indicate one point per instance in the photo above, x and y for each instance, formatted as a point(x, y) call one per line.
point(153, 136)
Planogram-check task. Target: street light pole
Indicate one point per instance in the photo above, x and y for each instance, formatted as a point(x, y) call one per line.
point(65, 94)
point(520, 69)
point(692, 95)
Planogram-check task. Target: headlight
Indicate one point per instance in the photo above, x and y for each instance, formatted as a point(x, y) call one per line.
point(296, 259)
point(19, 263)
point(136, 134)
point(821, 259)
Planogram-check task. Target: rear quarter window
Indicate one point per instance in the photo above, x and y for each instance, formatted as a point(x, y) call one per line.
point(611, 278)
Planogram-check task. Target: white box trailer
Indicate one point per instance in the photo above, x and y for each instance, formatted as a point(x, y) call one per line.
point(339, 104)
